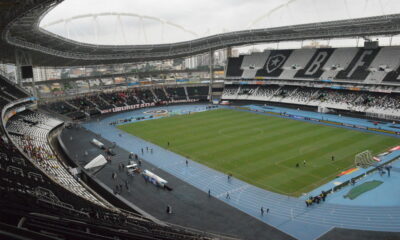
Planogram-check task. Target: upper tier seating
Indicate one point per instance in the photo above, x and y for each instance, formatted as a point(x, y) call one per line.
point(9, 91)
point(233, 68)
point(252, 63)
point(341, 64)
point(339, 61)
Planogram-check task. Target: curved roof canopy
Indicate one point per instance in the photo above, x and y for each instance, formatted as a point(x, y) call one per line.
point(127, 22)
point(20, 30)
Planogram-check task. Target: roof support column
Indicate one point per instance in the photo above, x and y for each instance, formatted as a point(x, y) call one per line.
point(211, 67)
point(228, 52)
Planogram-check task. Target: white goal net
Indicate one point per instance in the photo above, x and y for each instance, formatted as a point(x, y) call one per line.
point(364, 159)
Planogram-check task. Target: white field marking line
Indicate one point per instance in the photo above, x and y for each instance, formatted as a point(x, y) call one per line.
point(325, 232)
point(215, 178)
point(189, 176)
point(233, 191)
point(240, 194)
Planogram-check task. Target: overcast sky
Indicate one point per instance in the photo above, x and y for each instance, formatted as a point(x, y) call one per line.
point(202, 17)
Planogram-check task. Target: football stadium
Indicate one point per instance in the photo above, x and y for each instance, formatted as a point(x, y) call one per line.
point(206, 120)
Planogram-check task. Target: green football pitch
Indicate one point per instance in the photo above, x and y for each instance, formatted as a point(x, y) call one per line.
point(262, 150)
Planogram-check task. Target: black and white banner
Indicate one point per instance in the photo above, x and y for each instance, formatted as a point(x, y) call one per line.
point(273, 65)
point(313, 69)
point(358, 68)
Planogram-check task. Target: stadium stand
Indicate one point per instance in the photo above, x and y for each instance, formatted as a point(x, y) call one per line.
point(146, 96)
point(359, 101)
point(85, 105)
point(41, 196)
point(264, 92)
point(61, 108)
point(92, 104)
point(313, 69)
point(114, 98)
point(295, 62)
point(178, 93)
point(230, 92)
point(358, 68)
point(252, 63)
point(273, 66)
point(200, 93)
point(9, 91)
point(161, 94)
point(41, 199)
point(341, 64)
point(99, 102)
point(386, 61)
point(339, 60)
point(233, 69)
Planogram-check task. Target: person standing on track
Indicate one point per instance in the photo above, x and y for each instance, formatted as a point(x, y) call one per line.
point(228, 196)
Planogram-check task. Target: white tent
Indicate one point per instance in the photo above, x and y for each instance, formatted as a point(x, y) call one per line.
point(96, 162)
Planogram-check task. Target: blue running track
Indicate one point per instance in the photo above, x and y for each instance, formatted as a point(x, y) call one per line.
point(288, 214)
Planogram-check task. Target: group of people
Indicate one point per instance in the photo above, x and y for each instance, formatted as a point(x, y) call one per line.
point(264, 210)
point(147, 150)
point(119, 187)
point(387, 168)
point(37, 152)
point(316, 199)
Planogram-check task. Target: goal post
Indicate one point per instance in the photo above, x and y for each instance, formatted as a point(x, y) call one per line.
point(364, 159)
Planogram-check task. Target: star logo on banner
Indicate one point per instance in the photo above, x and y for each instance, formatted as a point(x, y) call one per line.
point(275, 62)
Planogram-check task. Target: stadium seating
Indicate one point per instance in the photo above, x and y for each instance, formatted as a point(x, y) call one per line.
point(295, 62)
point(359, 101)
point(161, 94)
point(386, 61)
point(342, 64)
point(84, 104)
point(339, 61)
point(252, 63)
point(61, 107)
point(9, 91)
point(200, 93)
point(177, 93)
point(230, 92)
point(40, 199)
point(32, 138)
point(99, 102)
point(114, 98)
point(92, 104)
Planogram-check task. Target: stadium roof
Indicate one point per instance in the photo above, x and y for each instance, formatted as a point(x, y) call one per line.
point(127, 22)
point(20, 31)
